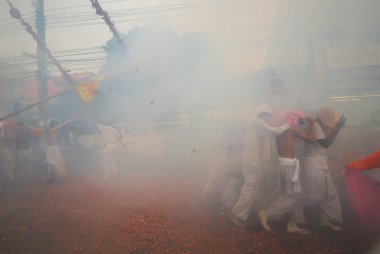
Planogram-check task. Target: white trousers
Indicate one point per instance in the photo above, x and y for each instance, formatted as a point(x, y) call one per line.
point(109, 165)
point(320, 189)
point(290, 198)
point(247, 197)
point(231, 191)
point(55, 158)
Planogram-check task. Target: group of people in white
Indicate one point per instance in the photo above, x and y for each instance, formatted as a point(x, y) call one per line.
point(16, 156)
point(298, 185)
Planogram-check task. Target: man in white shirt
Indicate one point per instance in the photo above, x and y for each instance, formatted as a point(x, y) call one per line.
point(111, 138)
point(320, 188)
point(256, 129)
point(290, 198)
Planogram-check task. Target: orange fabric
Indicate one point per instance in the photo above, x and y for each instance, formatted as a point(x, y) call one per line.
point(87, 90)
point(370, 162)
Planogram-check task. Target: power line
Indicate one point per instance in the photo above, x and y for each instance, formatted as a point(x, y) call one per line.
point(252, 37)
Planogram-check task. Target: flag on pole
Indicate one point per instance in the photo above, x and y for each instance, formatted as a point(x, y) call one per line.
point(87, 90)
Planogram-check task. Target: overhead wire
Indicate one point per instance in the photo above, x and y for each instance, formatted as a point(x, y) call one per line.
point(246, 39)
point(73, 58)
point(122, 12)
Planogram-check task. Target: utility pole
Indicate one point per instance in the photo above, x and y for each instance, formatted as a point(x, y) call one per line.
point(42, 63)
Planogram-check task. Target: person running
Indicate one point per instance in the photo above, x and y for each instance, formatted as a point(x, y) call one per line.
point(321, 189)
point(290, 199)
point(56, 165)
point(256, 130)
point(24, 156)
point(111, 138)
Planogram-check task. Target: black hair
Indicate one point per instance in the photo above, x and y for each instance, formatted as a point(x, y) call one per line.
point(301, 122)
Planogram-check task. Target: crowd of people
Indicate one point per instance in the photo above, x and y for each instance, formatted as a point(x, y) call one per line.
point(17, 158)
point(300, 184)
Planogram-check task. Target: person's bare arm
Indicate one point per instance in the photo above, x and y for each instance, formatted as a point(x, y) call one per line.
point(56, 128)
point(270, 129)
point(33, 131)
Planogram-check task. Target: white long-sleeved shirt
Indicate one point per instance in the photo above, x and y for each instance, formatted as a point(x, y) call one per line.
point(110, 134)
point(314, 152)
point(253, 140)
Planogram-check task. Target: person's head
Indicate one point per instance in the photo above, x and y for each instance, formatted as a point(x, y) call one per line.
point(327, 118)
point(264, 112)
point(296, 118)
point(301, 122)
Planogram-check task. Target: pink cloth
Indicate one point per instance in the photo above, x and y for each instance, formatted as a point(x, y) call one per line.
point(364, 194)
point(294, 117)
point(280, 117)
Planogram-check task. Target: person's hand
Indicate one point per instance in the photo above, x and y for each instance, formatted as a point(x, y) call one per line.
point(341, 123)
point(345, 171)
point(309, 119)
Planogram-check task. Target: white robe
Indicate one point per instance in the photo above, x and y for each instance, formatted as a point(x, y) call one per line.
point(319, 186)
point(55, 158)
point(251, 163)
point(217, 177)
point(110, 137)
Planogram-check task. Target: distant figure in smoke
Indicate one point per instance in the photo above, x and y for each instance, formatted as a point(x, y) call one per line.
point(290, 199)
point(24, 155)
point(56, 165)
point(235, 180)
point(7, 153)
point(217, 166)
point(224, 181)
point(111, 137)
point(320, 186)
point(256, 130)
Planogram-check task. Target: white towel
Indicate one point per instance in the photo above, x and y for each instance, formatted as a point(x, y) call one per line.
point(296, 177)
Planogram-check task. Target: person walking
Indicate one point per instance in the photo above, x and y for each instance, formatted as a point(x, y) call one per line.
point(257, 128)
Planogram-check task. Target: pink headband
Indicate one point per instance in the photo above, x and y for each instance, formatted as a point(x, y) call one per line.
point(294, 117)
